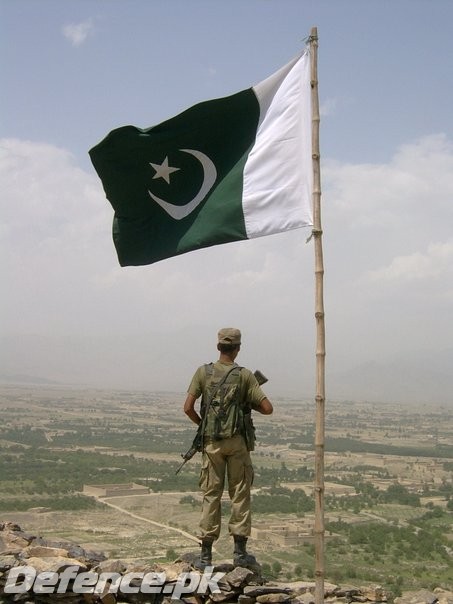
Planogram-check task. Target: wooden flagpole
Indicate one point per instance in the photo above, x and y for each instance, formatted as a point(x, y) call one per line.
point(320, 327)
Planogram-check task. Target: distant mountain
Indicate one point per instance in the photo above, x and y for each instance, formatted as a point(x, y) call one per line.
point(157, 361)
point(25, 379)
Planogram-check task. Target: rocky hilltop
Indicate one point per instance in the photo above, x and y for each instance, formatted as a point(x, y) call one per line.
point(41, 571)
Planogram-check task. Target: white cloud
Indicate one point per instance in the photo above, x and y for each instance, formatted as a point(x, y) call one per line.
point(45, 193)
point(388, 252)
point(77, 33)
point(416, 185)
point(328, 107)
point(436, 262)
point(54, 236)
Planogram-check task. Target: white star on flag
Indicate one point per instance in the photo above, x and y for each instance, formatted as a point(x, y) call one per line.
point(163, 170)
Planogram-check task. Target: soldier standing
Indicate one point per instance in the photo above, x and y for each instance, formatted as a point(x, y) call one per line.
point(229, 394)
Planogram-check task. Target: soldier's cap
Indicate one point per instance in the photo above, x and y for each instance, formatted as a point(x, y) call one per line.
point(229, 335)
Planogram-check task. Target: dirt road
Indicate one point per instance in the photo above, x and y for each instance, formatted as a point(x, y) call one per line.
point(166, 526)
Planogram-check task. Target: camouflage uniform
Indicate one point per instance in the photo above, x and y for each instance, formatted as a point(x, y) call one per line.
point(230, 457)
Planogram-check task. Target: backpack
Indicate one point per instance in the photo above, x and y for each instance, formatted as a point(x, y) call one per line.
point(225, 410)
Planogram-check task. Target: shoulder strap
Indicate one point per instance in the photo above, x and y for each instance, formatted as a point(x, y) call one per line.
point(214, 392)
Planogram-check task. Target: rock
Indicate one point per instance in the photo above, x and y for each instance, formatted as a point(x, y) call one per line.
point(223, 596)
point(223, 567)
point(9, 526)
point(54, 564)
point(274, 598)
point(13, 542)
point(189, 558)
point(108, 598)
point(39, 541)
point(254, 591)
point(238, 577)
point(305, 598)
point(226, 587)
point(329, 588)
point(138, 566)
point(375, 594)
point(42, 551)
point(444, 596)
point(347, 590)
point(172, 571)
point(93, 558)
point(6, 562)
point(242, 599)
point(417, 597)
point(302, 587)
point(76, 551)
point(111, 566)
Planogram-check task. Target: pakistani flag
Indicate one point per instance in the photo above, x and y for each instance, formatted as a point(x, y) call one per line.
point(224, 170)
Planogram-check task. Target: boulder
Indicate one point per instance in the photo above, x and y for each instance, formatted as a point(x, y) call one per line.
point(55, 564)
point(275, 598)
point(238, 577)
point(444, 596)
point(42, 551)
point(422, 596)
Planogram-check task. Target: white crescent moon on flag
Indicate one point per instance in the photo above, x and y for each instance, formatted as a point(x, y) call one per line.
point(209, 178)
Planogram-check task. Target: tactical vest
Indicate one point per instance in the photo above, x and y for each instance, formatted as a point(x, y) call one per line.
point(226, 411)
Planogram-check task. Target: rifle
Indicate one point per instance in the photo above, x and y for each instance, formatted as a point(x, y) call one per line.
point(260, 377)
point(197, 444)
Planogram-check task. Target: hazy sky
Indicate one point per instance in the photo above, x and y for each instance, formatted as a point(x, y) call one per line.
point(73, 70)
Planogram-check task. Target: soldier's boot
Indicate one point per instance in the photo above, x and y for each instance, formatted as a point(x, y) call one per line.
point(241, 556)
point(205, 555)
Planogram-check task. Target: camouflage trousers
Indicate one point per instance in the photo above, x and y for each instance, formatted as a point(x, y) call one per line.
point(226, 458)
